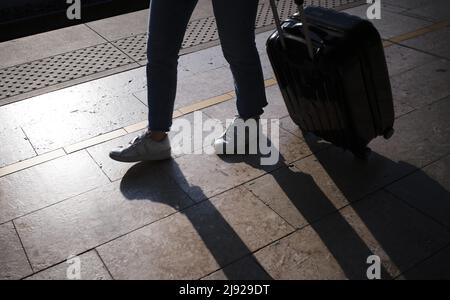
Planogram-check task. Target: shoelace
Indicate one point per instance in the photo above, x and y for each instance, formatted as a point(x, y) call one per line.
point(134, 141)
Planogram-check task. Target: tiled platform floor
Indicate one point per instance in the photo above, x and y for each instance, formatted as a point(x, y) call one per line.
point(318, 214)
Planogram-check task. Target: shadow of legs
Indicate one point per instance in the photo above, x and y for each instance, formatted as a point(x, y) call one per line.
point(404, 209)
point(343, 242)
point(218, 236)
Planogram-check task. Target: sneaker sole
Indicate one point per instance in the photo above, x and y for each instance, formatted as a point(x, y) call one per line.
point(158, 157)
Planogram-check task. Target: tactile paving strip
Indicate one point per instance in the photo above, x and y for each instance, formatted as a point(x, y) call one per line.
point(22, 79)
point(60, 68)
point(204, 30)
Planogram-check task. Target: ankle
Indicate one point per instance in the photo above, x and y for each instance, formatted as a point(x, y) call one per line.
point(256, 118)
point(157, 136)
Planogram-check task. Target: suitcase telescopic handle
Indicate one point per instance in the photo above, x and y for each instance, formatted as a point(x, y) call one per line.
point(283, 35)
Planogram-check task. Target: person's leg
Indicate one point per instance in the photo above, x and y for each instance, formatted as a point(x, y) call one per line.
point(167, 25)
point(236, 26)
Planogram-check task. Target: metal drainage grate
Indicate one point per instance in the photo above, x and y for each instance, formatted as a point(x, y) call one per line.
point(22, 79)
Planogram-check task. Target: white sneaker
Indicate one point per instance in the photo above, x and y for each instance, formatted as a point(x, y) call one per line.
point(142, 148)
point(241, 137)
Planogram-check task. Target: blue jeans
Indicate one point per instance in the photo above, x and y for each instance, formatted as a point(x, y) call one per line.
point(236, 22)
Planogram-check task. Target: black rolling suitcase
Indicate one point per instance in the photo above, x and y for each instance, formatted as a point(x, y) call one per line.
point(333, 76)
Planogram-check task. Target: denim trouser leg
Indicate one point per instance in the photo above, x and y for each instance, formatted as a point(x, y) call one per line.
point(167, 25)
point(236, 26)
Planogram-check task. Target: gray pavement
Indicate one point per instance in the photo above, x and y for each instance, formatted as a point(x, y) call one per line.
point(317, 214)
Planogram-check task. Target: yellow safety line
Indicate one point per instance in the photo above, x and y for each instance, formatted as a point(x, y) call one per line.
point(31, 162)
point(420, 32)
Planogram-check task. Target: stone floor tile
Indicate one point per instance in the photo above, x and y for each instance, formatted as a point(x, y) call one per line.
point(201, 61)
point(391, 24)
point(47, 44)
point(145, 195)
point(338, 246)
point(315, 144)
point(199, 87)
point(391, 8)
point(400, 59)
point(401, 108)
point(203, 9)
point(223, 111)
point(100, 153)
point(422, 85)
point(63, 123)
point(302, 255)
point(91, 268)
point(15, 145)
point(261, 40)
point(13, 261)
point(276, 107)
point(436, 267)
point(220, 173)
point(48, 183)
point(421, 137)
point(104, 104)
point(206, 175)
point(292, 148)
point(115, 170)
point(436, 10)
point(119, 85)
point(436, 42)
point(337, 171)
point(400, 235)
point(267, 67)
point(296, 197)
point(407, 4)
point(194, 243)
point(115, 86)
point(289, 125)
point(121, 26)
point(428, 190)
point(204, 86)
point(244, 269)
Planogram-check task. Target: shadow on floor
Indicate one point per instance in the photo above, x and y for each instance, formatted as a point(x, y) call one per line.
point(219, 237)
point(406, 235)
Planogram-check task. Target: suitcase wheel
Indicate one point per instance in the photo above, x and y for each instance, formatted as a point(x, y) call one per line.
point(388, 133)
point(363, 153)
